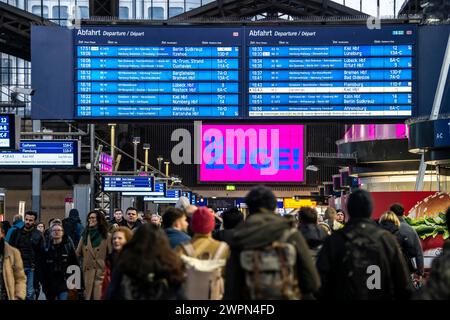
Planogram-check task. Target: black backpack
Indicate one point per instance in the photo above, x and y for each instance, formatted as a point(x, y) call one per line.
point(363, 250)
point(70, 229)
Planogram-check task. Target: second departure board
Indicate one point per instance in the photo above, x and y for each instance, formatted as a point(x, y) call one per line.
point(332, 72)
point(147, 72)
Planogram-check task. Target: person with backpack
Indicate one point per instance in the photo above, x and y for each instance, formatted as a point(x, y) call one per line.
point(313, 233)
point(204, 258)
point(361, 261)
point(391, 223)
point(17, 224)
point(30, 242)
point(147, 269)
point(413, 241)
point(269, 259)
point(72, 226)
point(59, 254)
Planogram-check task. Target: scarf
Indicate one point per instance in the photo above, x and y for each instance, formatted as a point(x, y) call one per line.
point(95, 236)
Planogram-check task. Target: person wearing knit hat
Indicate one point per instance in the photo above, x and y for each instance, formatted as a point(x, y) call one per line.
point(205, 247)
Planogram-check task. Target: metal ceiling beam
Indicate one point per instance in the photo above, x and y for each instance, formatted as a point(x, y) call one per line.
point(243, 9)
point(15, 30)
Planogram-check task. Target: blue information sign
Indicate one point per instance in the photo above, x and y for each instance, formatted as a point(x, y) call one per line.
point(42, 153)
point(172, 196)
point(8, 136)
point(139, 72)
point(160, 190)
point(127, 183)
point(316, 72)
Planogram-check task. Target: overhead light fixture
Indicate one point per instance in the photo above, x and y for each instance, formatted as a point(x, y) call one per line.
point(312, 167)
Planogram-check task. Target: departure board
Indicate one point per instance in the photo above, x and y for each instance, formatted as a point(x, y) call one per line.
point(43, 154)
point(127, 184)
point(172, 196)
point(152, 72)
point(331, 72)
point(9, 132)
point(5, 131)
point(160, 190)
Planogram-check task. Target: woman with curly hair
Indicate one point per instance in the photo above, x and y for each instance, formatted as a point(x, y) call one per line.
point(94, 246)
point(147, 269)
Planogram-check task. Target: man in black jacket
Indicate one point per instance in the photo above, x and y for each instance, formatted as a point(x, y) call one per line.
point(30, 243)
point(59, 254)
point(362, 261)
point(262, 228)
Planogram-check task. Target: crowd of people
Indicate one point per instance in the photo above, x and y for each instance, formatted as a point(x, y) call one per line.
point(193, 253)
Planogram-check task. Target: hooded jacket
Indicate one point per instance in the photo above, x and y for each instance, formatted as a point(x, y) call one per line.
point(260, 230)
point(395, 282)
point(72, 226)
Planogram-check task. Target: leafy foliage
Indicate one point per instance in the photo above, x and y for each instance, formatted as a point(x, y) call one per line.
point(429, 226)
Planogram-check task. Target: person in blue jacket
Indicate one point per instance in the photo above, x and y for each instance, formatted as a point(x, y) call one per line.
point(17, 224)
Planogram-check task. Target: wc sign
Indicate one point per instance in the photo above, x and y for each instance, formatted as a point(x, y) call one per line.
point(251, 153)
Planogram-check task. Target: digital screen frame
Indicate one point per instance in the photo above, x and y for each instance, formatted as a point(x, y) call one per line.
point(269, 149)
point(9, 132)
point(47, 150)
point(133, 183)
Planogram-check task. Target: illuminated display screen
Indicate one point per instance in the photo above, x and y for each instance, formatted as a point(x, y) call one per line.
point(7, 132)
point(252, 153)
point(105, 163)
point(42, 153)
point(316, 72)
point(138, 72)
point(127, 184)
point(172, 196)
point(160, 190)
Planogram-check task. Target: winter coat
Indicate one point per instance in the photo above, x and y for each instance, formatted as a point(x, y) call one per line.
point(176, 237)
point(395, 282)
point(110, 264)
point(260, 230)
point(205, 247)
point(55, 262)
point(121, 288)
point(13, 273)
point(16, 225)
point(413, 243)
point(72, 226)
point(93, 266)
point(30, 244)
point(224, 235)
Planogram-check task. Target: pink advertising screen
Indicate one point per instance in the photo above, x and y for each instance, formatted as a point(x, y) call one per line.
point(251, 153)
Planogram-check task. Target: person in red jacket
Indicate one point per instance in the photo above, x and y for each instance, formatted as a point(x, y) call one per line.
point(119, 238)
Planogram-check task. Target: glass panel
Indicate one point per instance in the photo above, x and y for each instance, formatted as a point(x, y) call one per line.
point(84, 12)
point(174, 11)
point(124, 13)
point(37, 11)
point(192, 4)
point(158, 13)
